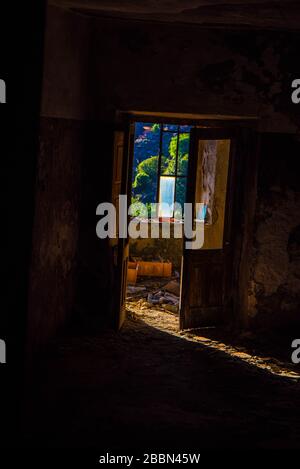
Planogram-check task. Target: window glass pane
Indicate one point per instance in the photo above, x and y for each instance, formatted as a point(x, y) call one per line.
point(170, 127)
point(146, 174)
point(183, 154)
point(145, 162)
point(168, 157)
point(181, 184)
point(185, 128)
point(166, 196)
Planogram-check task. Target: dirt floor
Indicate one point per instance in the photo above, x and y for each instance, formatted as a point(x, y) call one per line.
point(267, 350)
point(152, 386)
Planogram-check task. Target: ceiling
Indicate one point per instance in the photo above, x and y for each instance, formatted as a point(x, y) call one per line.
point(276, 14)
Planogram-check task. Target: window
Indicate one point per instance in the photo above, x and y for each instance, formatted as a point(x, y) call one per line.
point(160, 165)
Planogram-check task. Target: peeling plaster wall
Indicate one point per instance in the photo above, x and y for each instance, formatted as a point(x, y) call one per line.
point(274, 290)
point(55, 238)
point(184, 68)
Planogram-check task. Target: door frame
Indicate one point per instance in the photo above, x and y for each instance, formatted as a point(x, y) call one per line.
point(246, 177)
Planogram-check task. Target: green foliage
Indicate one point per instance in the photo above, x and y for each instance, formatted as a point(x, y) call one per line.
point(169, 160)
point(183, 154)
point(145, 183)
point(144, 188)
point(155, 128)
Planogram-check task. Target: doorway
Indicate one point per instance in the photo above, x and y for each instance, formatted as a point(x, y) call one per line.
point(159, 178)
point(166, 163)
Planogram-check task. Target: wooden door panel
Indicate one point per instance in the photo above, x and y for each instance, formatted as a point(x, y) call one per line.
point(204, 317)
point(119, 245)
point(121, 185)
point(207, 279)
point(205, 293)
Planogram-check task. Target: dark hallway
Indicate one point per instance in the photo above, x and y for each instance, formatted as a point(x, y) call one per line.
point(153, 217)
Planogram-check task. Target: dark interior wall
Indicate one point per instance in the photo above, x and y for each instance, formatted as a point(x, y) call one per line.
point(58, 181)
point(70, 268)
point(274, 291)
point(67, 65)
point(55, 237)
point(184, 68)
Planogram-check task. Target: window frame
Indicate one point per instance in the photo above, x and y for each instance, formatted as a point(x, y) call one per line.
point(159, 168)
point(159, 172)
point(129, 117)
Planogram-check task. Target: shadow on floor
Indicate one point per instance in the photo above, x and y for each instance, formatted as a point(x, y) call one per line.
point(144, 388)
point(275, 343)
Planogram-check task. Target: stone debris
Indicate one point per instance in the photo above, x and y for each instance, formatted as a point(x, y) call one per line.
point(173, 287)
point(155, 292)
point(162, 297)
point(171, 308)
point(132, 289)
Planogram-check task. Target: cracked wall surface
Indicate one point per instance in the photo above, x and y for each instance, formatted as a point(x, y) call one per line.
point(189, 69)
point(274, 291)
point(55, 237)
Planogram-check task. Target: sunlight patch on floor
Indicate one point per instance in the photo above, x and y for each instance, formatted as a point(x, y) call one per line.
point(169, 323)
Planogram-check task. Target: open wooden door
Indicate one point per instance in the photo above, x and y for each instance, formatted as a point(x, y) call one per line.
point(121, 185)
point(206, 286)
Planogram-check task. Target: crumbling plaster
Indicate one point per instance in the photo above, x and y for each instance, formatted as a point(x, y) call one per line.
point(274, 288)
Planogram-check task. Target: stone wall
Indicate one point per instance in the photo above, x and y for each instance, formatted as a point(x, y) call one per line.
point(167, 250)
point(274, 291)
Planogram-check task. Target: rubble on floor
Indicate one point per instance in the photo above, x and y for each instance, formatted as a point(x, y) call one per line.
point(154, 293)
